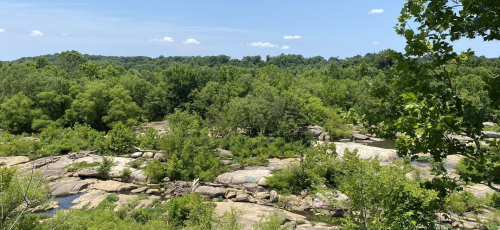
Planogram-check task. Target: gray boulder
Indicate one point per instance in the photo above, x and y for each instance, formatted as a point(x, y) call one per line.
point(242, 176)
point(67, 188)
point(210, 192)
point(159, 156)
point(136, 155)
point(273, 196)
point(138, 177)
point(91, 172)
point(224, 152)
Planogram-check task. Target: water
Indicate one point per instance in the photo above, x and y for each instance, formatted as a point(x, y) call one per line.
point(64, 203)
point(387, 144)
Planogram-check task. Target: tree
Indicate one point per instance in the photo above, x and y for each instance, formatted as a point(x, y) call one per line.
point(41, 62)
point(424, 101)
point(69, 61)
point(18, 113)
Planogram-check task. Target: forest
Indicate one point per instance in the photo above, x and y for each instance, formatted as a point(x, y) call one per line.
point(222, 115)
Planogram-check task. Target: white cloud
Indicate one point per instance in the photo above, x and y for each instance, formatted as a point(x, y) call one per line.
point(376, 11)
point(375, 43)
point(2, 30)
point(36, 33)
point(285, 47)
point(292, 37)
point(191, 41)
point(165, 39)
point(263, 44)
point(65, 34)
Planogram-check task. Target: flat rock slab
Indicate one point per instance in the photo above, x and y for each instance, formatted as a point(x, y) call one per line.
point(92, 199)
point(251, 212)
point(67, 188)
point(360, 136)
point(109, 185)
point(11, 161)
point(243, 176)
point(365, 152)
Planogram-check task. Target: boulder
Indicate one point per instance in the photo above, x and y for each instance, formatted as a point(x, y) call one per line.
point(136, 155)
point(365, 152)
point(226, 162)
point(148, 155)
point(224, 152)
point(315, 132)
point(153, 191)
point(115, 172)
point(139, 190)
point(107, 185)
point(126, 187)
point(210, 192)
point(328, 137)
point(242, 198)
point(491, 134)
point(91, 172)
point(488, 124)
point(273, 196)
point(322, 136)
point(67, 188)
point(138, 177)
point(252, 187)
point(358, 136)
point(262, 182)
point(44, 207)
point(159, 156)
point(262, 195)
point(242, 176)
point(230, 195)
point(235, 166)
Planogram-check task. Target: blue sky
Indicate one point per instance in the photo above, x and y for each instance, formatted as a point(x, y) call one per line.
point(201, 27)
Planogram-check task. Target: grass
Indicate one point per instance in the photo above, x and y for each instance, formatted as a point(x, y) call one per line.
point(80, 166)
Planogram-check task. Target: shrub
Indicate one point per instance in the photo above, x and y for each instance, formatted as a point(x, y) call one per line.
point(465, 202)
point(494, 199)
point(155, 170)
point(135, 163)
point(190, 210)
point(126, 172)
point(112, 198)
point(315, 169)
point(271, 222)
point(105, 165)
point(150, 139)
point(120, 140)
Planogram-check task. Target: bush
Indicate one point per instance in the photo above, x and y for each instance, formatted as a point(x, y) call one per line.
point(271, 222)
point(190, 210)
point(112, 198)
point(135, 163)
point(155, 170)
point(315, 169)
point(126, 172)
point(465, 202)
point(120, 140)
point(150, 139)
point(105, 165)
point(494, 199)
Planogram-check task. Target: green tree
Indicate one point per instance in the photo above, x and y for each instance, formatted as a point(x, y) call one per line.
point(17, 113)
point(69, 61)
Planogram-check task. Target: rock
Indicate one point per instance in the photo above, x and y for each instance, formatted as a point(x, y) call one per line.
point(115, 172)
point(159, 156)
point(91, 172)
point(107, 185)
point(153, 191)
point(322, 136)
point(148, 155)
point(262, 195)
point(67, 188)
point(262, 182)
point(358, 136)
point(235, 166)
point(252, 187)
point(139, 190)
point(126, 187)
point(488, 124)
point(345, 140)
point(242, 198)
point(273, 196)
point(303, 206)
point(51, 205)
point(304, 193)
point(226, 162)
point(138, 177)
point(210, 192)
point(242, 176)
point(491, 134)
point(224, 152)
point(230, 195)
point(365, 152)
point(166, 179)
point(11, 161)
point(328, 137)
point(162, 190)
point(315, 132)
point(251, 212)
point(136, 155)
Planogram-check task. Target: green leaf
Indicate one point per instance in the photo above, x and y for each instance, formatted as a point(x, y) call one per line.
point(409, 97)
